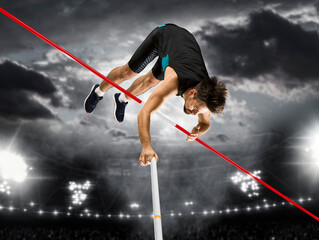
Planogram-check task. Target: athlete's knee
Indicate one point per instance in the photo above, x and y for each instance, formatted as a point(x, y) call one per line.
point(127, 72)
point(151, 80)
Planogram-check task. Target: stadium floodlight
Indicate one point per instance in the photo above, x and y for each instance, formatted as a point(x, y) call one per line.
point(12, 167)
point(246, 183)
point(309, 146)
point(134, 205)
point(79, 192)
point(5, 187)
point(312, 143)
point(189, 203)
point(306, 148)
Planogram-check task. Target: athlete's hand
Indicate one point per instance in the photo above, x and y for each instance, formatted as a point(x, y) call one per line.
point(146, 156)
point(194, 134)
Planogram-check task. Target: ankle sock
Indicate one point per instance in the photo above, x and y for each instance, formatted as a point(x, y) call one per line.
point(99, 92)
point(122, 98)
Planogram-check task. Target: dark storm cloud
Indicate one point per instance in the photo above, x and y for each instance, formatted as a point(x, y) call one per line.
point(49, 18)
point(241, 124)
point(18, 87)
point(220, 138)
point(22, 107)
point(119, 133)
point(114, 132)
point(92, 121)
point(268, 43)
point(77, 21)
point(80, 20)
point(17, 77)
point(66, 74)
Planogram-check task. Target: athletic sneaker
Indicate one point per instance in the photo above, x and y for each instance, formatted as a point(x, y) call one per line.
point(92, 100)
point(119, 108)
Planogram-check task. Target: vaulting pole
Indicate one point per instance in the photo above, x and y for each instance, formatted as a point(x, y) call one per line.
point(156, 202)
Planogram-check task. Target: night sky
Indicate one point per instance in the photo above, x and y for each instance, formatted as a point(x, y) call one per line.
point(267, 53)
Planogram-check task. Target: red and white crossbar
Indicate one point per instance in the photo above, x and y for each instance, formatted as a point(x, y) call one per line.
point(140, 101)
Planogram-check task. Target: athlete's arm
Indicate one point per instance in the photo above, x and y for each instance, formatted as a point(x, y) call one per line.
point(202, 126)
point(166, 89)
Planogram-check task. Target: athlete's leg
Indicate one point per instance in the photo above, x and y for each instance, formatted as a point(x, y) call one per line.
point(144, 54)
point(118, 75)
point(142, 84)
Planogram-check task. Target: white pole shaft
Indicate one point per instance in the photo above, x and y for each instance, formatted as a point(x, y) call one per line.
point(162, 116)
point(156, 202)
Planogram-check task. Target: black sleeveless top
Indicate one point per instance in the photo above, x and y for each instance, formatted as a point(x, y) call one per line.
point(179, 49)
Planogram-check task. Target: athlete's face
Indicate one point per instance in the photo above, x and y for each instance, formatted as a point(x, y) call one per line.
point(194, 107)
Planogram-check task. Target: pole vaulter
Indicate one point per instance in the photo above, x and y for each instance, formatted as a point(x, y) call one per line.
point(160, 115)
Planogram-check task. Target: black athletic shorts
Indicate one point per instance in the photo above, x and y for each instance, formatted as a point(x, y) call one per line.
point(177, 48)
point(146, 53)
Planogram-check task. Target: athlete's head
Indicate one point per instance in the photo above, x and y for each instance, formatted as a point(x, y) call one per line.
point(208, 95)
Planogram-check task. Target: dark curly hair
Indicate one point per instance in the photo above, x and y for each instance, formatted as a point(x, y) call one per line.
point(213, 93)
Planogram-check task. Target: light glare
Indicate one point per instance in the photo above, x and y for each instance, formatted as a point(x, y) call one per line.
point(12, 167)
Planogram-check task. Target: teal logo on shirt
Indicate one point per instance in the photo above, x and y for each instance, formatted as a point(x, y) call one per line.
point(165, 62)
point(162, 25)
